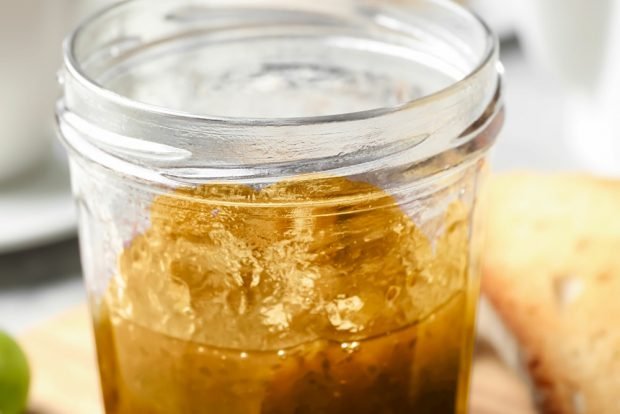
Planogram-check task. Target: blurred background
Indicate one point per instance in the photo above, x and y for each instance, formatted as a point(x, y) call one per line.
point(562, 81)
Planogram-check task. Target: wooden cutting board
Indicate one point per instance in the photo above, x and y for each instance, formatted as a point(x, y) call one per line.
point(65, 381)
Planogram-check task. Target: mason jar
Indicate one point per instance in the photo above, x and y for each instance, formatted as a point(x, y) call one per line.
point(279, 201)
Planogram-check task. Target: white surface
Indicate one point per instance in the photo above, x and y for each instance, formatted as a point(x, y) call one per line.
point(569, 38)
point(577, 42)
point(37, 209)
point(31, 32)
point(31, 35)
point(534, 134)
point(498, 13)
point(24, 308)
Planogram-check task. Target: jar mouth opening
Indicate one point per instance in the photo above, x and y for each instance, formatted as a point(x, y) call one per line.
point(75, 69)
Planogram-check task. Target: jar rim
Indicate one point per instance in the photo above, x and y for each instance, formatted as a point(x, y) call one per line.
point(75, 69)
point(171, 146)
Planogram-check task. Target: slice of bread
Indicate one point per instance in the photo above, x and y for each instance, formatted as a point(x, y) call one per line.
point(552, 271)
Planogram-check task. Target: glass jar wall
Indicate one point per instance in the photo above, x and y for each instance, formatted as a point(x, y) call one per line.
point(279, 201)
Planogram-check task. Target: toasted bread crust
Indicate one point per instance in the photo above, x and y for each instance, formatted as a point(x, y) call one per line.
point(552, 271)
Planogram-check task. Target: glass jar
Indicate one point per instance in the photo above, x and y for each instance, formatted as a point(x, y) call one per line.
point(278, 201)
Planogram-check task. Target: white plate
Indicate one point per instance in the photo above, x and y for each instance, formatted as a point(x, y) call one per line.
point(37, 208)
